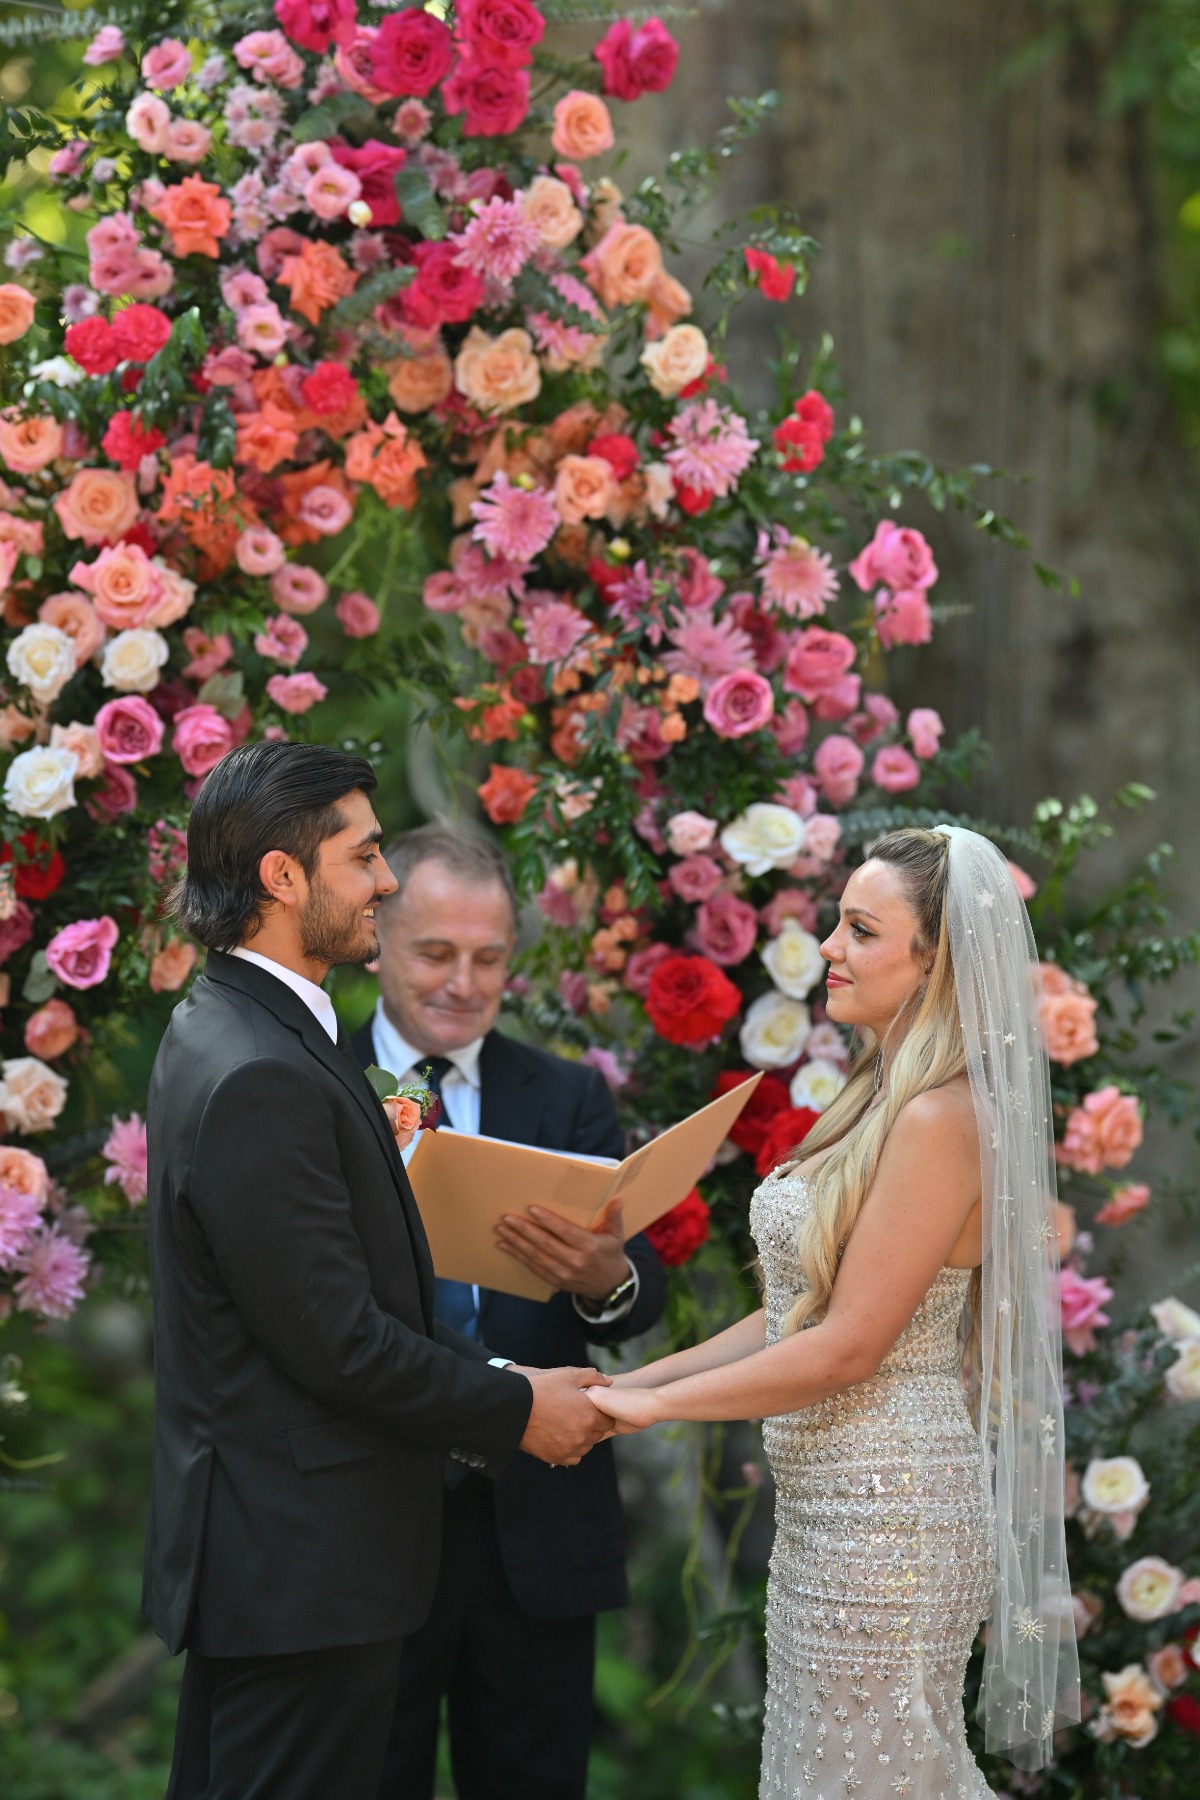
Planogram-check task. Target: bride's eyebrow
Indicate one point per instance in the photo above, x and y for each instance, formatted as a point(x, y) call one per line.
point(862, 913)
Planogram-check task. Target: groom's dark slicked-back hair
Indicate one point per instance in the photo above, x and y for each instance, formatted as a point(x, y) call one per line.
point(260, 797)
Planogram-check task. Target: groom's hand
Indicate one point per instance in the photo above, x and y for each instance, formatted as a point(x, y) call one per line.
point(563, 1423)
point(572, 1258)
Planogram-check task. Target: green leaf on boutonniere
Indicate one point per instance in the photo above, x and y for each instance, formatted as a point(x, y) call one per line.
point(383, 1084)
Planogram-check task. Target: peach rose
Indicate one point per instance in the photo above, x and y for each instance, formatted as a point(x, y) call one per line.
point(584, 488)
point(22, 1170)
point(16, 311)
point(416, 383)
point(1064, 1228)
point(1168, 1667)
point(15, 727)
point(667, 300)
point(496, 374)
point(171, 966)
point(1103, 1133)
point(404, 1116)
point(318, 277)
point(196, 216)
point(49, 1032)
point(99, 505)
point(624, 264)
point(1124, 1203)
point(31, 1095)
point(124, 585)
point(176, 594)
point(673, 361)
point(74, 613)
point(1070, 1027)
point(548, 205)
point(28, 442)
point(1128, 1712)
point(582, 126)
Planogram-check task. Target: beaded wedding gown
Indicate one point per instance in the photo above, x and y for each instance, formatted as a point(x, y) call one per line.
point(883, 1561)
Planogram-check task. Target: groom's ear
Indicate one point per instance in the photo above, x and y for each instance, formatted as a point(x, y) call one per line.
point(282, 878)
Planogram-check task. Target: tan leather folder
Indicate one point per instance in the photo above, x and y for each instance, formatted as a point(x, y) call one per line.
point(465, 1184)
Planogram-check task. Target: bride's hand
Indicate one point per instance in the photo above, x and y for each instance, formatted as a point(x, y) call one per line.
point(632, 1409)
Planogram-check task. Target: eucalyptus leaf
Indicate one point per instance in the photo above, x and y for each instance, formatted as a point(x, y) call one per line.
point(383, 1085)
point(226, 691)
point(41, 980)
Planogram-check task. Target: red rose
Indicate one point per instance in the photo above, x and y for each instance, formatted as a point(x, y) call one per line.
point(713, 371)
point(618, 450)
point(411, 53)
point(445, 290)
point(816, 411)
point(680, 1232)
point(637, 62)
point(506, 793)
point(38, 878)
point(329, 388)
point(140, 331)
point(769, 1097)
point(499, 33)
point(125, 442)
point(376, 166)
point(494, 99)
point(315, 24)
point(775, 279)
point(785, 1131)
point(1185, 1712)
point(693, 500)
point(799, 444)
point(90, 343)
point(689, 1000)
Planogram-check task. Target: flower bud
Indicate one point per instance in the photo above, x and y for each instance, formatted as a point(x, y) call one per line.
point(358, 212)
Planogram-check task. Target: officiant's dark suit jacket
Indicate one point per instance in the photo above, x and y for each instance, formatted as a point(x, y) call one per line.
point(305, 1400)
point(561, 1531)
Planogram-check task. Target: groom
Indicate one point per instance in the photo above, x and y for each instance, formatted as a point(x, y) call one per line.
point(305, 1396)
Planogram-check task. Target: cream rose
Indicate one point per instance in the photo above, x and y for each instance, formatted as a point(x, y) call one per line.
point(793, 960)
point(676, 359)
point(42, 659)
point(549, 207)
point(1176, 1321)
point(31, 1094)
point(765, 837)
point(1149, 1588)
point(133, 660)
point(1115, 1484)
point(774, 1031)
point(816, 1084)
point(1183, 1376)
point(40, 783)
point(497, 373)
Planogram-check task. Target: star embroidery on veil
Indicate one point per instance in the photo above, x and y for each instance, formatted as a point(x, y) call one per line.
point(1010, 1037)
point(1049, 1430)
point(1029, 1629)
point(984, 898)
point(1048, 1722)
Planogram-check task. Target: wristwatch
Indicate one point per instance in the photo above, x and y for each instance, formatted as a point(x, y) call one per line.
point(621, 1292)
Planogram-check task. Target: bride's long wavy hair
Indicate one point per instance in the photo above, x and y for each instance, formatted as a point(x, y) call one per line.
point(924, 1048)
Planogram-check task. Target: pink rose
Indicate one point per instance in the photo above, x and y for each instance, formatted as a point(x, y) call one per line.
point(800, 794)
point(821, 835)
point(166, 65)
point(1103, 1133)
point(925, 730)
point(903, 618)
point(357, 615)
point(897, 556)
point(187, 141)
point(837, 766)
point(51, 1030)
point(1025, 885)
point(117, 794)
point(296, 693)
point(688, 832)
point(202, 737)
point(17, 929)
point(895, 771)
point(316, 24)
point(642, 965)
point(295, 588)
point(128, 729)
point(582, 126)
point(171, 966)
point(726, 928)
point(790, 729)
point(1070, 1023)
point(1081, 1301)
point(817, 660)
point(739, 703)
point(107, 45)
point(1124, 1203)
point(695, 878)
point(789, 903)
point(80, 954)
point(636, 60)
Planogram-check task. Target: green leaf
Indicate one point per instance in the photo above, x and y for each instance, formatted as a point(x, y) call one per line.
point(369, 294)
point(414, 191)
point(382, 1083)
point(227, 692)
point(41, 980)
point(325, 120)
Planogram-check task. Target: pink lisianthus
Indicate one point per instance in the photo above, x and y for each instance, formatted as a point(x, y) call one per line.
point(166, 65)
point(358, 615)
point(695, 878)
point(208, 654)
point(269, 57)
point(641, 967)
point(258, 551)
point(297, 588)
point(53, 1270)
point(107, 45)
point(1081, 1301)
point(1103, 1133)
point(898, 556)
point(283, 639)
point(128, 729)
point(726, 928)
point(125, 1152)
point(512, 521)
point(296, 693)
point(895, 771)
point(903, 618)
point(202, 736)
point(837, 765)
point(739, 703)
point(1124, 1203)
point(80, 954)
point(326, 509)
point(925, 731)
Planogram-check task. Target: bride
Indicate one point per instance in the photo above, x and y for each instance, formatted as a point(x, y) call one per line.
point(909, 1237)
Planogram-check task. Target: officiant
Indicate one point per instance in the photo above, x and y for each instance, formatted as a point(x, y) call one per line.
point(530, 1559)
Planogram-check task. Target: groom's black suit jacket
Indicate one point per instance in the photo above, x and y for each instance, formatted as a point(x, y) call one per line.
point(305, 1399)
point(561, 1531)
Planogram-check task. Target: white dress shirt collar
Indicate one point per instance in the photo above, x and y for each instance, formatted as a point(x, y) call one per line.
point(316, 999)
point(401, 1056)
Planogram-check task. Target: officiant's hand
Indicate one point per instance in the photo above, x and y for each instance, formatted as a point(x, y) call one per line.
point(590, 1263)
point(564, 1423)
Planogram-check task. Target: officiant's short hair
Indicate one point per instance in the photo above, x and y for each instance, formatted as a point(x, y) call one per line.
point(260, 797)
point(467, 854)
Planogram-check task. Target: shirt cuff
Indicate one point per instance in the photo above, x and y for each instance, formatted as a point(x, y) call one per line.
point(611, 1314)
point(500, 1362)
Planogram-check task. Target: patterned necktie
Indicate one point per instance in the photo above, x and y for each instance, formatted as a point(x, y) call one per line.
point(453, 1301)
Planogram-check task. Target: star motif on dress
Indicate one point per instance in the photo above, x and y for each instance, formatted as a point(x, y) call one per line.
point(902, 1784)
point(858, 1692)
point(849, 1779)
point(822, 1690)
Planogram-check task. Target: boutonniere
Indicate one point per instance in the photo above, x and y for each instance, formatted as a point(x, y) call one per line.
point(411, 1106)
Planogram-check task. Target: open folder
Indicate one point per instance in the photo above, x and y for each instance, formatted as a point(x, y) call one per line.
point(464, 1185)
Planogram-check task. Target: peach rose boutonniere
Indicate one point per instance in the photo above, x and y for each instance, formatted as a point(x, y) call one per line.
point(411, 1106)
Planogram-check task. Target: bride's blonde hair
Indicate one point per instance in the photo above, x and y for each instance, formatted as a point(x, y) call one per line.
point(925, 1046)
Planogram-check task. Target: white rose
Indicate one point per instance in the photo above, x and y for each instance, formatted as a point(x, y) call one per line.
point(678, 357)
point(660, 488)
point(40, 783)
point(1176, 1321)
point(816, 1085)
point(31, 1094)
point(133, 661)
point(1115, 1484)
point(1149, 1588)
point(58, 369)
point(794, 961)
point(765, 837)
point(774, 1031)
point(42, 659)
point(1183, 1376)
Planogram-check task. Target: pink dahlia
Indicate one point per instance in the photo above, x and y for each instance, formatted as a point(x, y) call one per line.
point(514, 522)
point(52, 1276)
point(712, 448)
point(125, 1151)
point(498, 241)
point(796, 579)
point(553, 630)
point(20, 1214)
point(706, 648)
